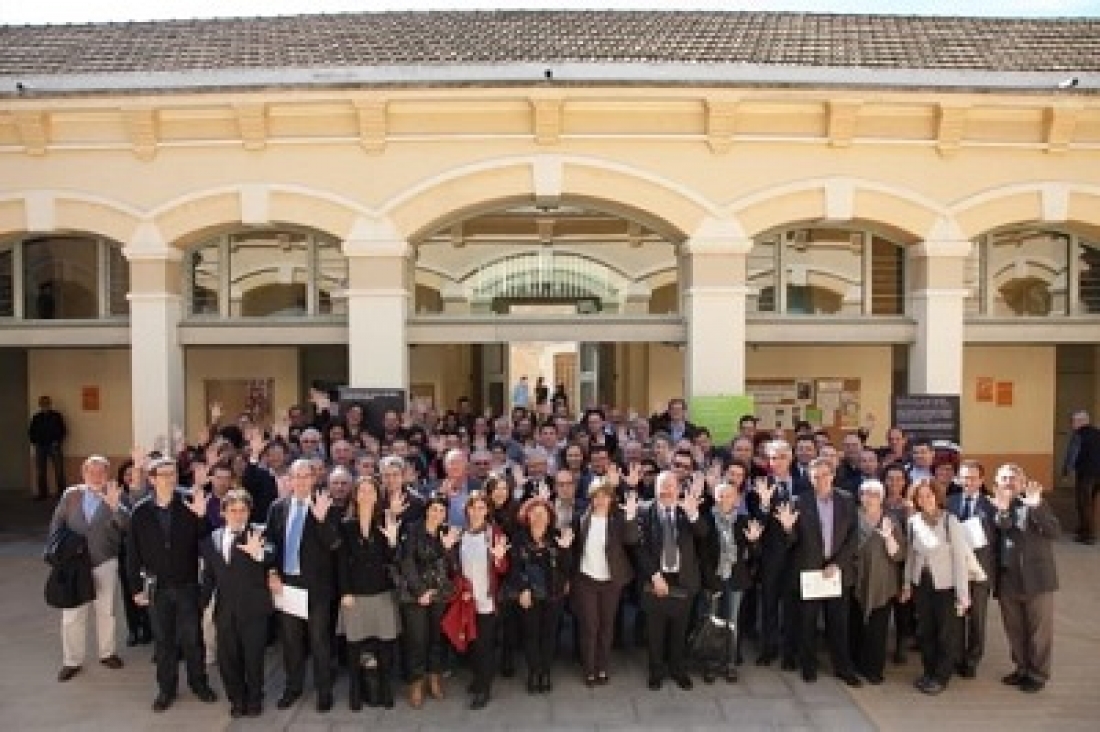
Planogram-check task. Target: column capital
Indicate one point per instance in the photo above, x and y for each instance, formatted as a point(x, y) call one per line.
point(943, 248)
point(148, 245)
point(717, 236)
point(375, 237)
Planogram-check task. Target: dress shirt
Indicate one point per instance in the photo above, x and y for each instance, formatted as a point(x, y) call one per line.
point(825, 515)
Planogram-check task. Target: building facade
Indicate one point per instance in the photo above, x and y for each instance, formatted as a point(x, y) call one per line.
point(707, 204)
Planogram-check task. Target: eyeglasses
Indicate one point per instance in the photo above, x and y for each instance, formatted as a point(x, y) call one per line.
point(171, 474)
point(682, 466)
point(563, 482)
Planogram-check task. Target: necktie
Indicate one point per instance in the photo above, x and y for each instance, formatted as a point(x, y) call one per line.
point(968, 508)
point(668, 544)
point(291, 564)
point(784, 493)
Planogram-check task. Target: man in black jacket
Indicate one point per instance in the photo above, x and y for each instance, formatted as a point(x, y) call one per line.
point(670, 572)
point(163, 559)
point(1083, 458)
point(46, 433)
point(234, 565)
point(303, 533)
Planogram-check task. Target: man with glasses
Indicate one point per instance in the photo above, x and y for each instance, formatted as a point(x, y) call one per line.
point(302, 532)
point(977, 512)
point(398, 496)
point(163, 560)
point(310, 443)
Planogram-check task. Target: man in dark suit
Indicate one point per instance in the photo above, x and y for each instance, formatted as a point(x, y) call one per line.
point(674, 423)
point(1026, 576)
point(670, 571)
point(973, 505)
point(303, 533)
point(233, 565)
point(47, 433)
point(162, 557)
point(823, 536)
point(1083, 458)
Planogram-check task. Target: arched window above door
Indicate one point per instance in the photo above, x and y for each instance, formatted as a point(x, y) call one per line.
point(63, 277)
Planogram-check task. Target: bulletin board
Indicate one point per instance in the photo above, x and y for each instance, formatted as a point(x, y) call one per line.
point(832, 403)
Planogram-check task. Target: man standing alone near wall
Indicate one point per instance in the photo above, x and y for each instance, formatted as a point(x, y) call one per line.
point(46, 433)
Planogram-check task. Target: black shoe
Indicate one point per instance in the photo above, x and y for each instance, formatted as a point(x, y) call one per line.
point(1013, 679)
point(1082, 539)
point(67, 672)
point(507, 666)
point(765, 659)
point(602, 678)
point(901, 657)
point(683, 681)
point(809, 675)
point(590, 681)
point(731, 675)
point(236, 711)
point(1031, 686)
point(324, 702)
point(874, 680)
point(205, 694)
point(545, 684)
point(112, 662)
point(932, 687)
point(133, 639)
point(533, 683)
point(655, 682)
point(253, 710)
point(288, 699)
point(850, 679)
point(789, 664)
point(966, 671)
point(163, 701)
point(708, 676)
point(480, 700)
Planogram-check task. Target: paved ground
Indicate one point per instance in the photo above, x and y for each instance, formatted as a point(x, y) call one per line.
point(31, 699)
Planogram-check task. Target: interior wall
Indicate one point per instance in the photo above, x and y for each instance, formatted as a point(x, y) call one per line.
point(64, 374)
point(200, 364)
point(16, 405)
point(666, 376)
point(1022, 432)
point(447, 367)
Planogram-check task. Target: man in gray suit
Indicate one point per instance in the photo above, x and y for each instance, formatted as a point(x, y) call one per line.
point(94, 510)
point(1026, 576)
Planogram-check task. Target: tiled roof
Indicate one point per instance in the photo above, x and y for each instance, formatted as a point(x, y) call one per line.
point(503, 37)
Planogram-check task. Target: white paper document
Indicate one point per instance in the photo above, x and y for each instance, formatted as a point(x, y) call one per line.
point(975, 534)
point(816, 586)
point(292, 601)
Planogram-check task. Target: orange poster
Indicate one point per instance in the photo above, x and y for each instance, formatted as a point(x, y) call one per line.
point(89, 398)
point(985, 388)
point(1004, 393)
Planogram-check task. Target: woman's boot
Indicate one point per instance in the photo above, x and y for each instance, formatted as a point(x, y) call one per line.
point(355, 678)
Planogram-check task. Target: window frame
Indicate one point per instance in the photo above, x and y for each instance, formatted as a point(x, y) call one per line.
point(103, 247)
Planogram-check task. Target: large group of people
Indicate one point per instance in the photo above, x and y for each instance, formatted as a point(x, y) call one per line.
point(396, 553)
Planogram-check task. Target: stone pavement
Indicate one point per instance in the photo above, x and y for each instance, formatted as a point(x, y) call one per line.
point(31, 699)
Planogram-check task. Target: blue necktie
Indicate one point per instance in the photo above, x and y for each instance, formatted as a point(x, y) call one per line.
point(291, 564)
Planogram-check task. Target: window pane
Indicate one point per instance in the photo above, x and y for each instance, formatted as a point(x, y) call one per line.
point(972, 280)
point(761, 276)
point(7, 284)
point(269, 274)
point(60, 276)
point(205, 279)
point(824, 269)
point(332, 278)
point(887, 277)
point(1088, 293)
point(1026, 272)
point(118, 282)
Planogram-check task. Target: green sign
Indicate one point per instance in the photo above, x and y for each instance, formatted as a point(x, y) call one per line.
point(720, 414)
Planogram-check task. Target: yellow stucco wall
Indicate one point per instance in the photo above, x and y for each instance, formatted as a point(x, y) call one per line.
point(279, 364)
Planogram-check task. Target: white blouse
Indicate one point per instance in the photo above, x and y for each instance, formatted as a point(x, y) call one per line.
point(594, 559)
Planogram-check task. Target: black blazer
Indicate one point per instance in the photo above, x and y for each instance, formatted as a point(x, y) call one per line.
point(1027, 551)
point(241, 583)
point(319, 540)
point(807, 551)
point(748, 554)
point(174, 561)
point(620, 535)
point(987, 513)
point(261, 485)
point(774, 547)
point(688, 533)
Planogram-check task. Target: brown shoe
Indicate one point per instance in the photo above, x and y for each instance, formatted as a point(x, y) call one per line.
point(435, 686)
point(67, 672)
point(112, 662)
point(416, 694)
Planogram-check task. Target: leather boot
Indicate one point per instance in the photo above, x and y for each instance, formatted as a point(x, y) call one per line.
point(435, 686)
point(384, 685)
point(416, 694)
point(355, 679)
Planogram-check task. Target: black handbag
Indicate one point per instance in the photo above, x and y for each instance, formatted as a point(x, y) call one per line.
point(713, 637)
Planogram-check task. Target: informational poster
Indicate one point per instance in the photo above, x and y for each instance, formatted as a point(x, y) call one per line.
point(720, 414)
point(929, 416)
point(242, 396)
point(375, 403)
point(830, 403)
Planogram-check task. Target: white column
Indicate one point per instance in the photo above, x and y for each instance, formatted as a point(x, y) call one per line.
point(156, 356)
point(714, 295)
point(937, 302)
point(378, 304)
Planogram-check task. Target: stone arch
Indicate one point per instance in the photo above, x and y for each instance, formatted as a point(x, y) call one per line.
point(663, 205)
point(67, 211)
point(1063, 206)
point(897, 213)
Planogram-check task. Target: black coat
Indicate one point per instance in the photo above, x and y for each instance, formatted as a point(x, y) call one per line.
point(241, 583)
point(621, 534)
point(320, 539)
point(748, 554)
point(688, 533)
point(172, 560)
point(807, 550)
point(70, 582)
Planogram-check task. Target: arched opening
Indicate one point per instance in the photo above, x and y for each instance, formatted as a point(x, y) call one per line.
point(63, 277)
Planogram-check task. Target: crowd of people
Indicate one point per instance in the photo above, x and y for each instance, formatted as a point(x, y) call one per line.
point(400, 552)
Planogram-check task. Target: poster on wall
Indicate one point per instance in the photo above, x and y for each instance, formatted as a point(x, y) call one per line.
point(929, 416)
point(375, 402)
point(720, 414)
point(242, 396)
point(831, 403)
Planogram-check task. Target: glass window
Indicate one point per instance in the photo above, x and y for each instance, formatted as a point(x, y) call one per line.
point(205, 280)
point(60, 278)
point(118, 279)
point(332, 279)
point(1026, 273)
point(826, 271)
point(7, 283)
point(1088, 278)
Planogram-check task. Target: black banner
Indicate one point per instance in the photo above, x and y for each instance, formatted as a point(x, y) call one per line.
point(929, 416)
point(375, 403)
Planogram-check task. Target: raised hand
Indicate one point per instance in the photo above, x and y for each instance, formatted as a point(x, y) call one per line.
point(198, 502)
point(179, 443)
point(390, 528)
point(698, 485)
point(525, 600)
point(543, 491)
point(787, 516)
point(112, 494)
point(399, 502)
point(500, 548)
point(199, 472)
point(565, 538)
point(255, 441)
point(451, 538)
point(613, 475)
point(690, 504)
point(253, 545)
point(1033, 492)
point(886, 528)
point(137, 454)
point(283, 482)
point(216, 412)
point(754, 530)
point(320, 504)
point(765, 491)
point(630, 507)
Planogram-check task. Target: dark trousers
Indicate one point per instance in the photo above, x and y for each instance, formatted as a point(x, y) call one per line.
point(540, 633)
point(424, 649)
point(904, 624)
point(137, 617)
point(509, 625)
point(836, 628)
point(44, 454)
point(1086, 488)
point(780, 630)
point(666, 626)
point(729, 608)
point(242, 641)
point(867, 639)
point(1029, 626)
point(176, 628)
point(312, 637)
point(483, 653)
point(595, 604)
point(970, 636)
point(936, 629)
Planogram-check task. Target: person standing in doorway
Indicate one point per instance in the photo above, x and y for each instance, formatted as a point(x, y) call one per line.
point(1083, 458)
point(47, 433)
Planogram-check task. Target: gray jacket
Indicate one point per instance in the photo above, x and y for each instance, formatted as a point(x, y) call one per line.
point(103, 532)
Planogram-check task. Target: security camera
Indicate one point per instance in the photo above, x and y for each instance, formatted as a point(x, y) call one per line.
point(1069, 83)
